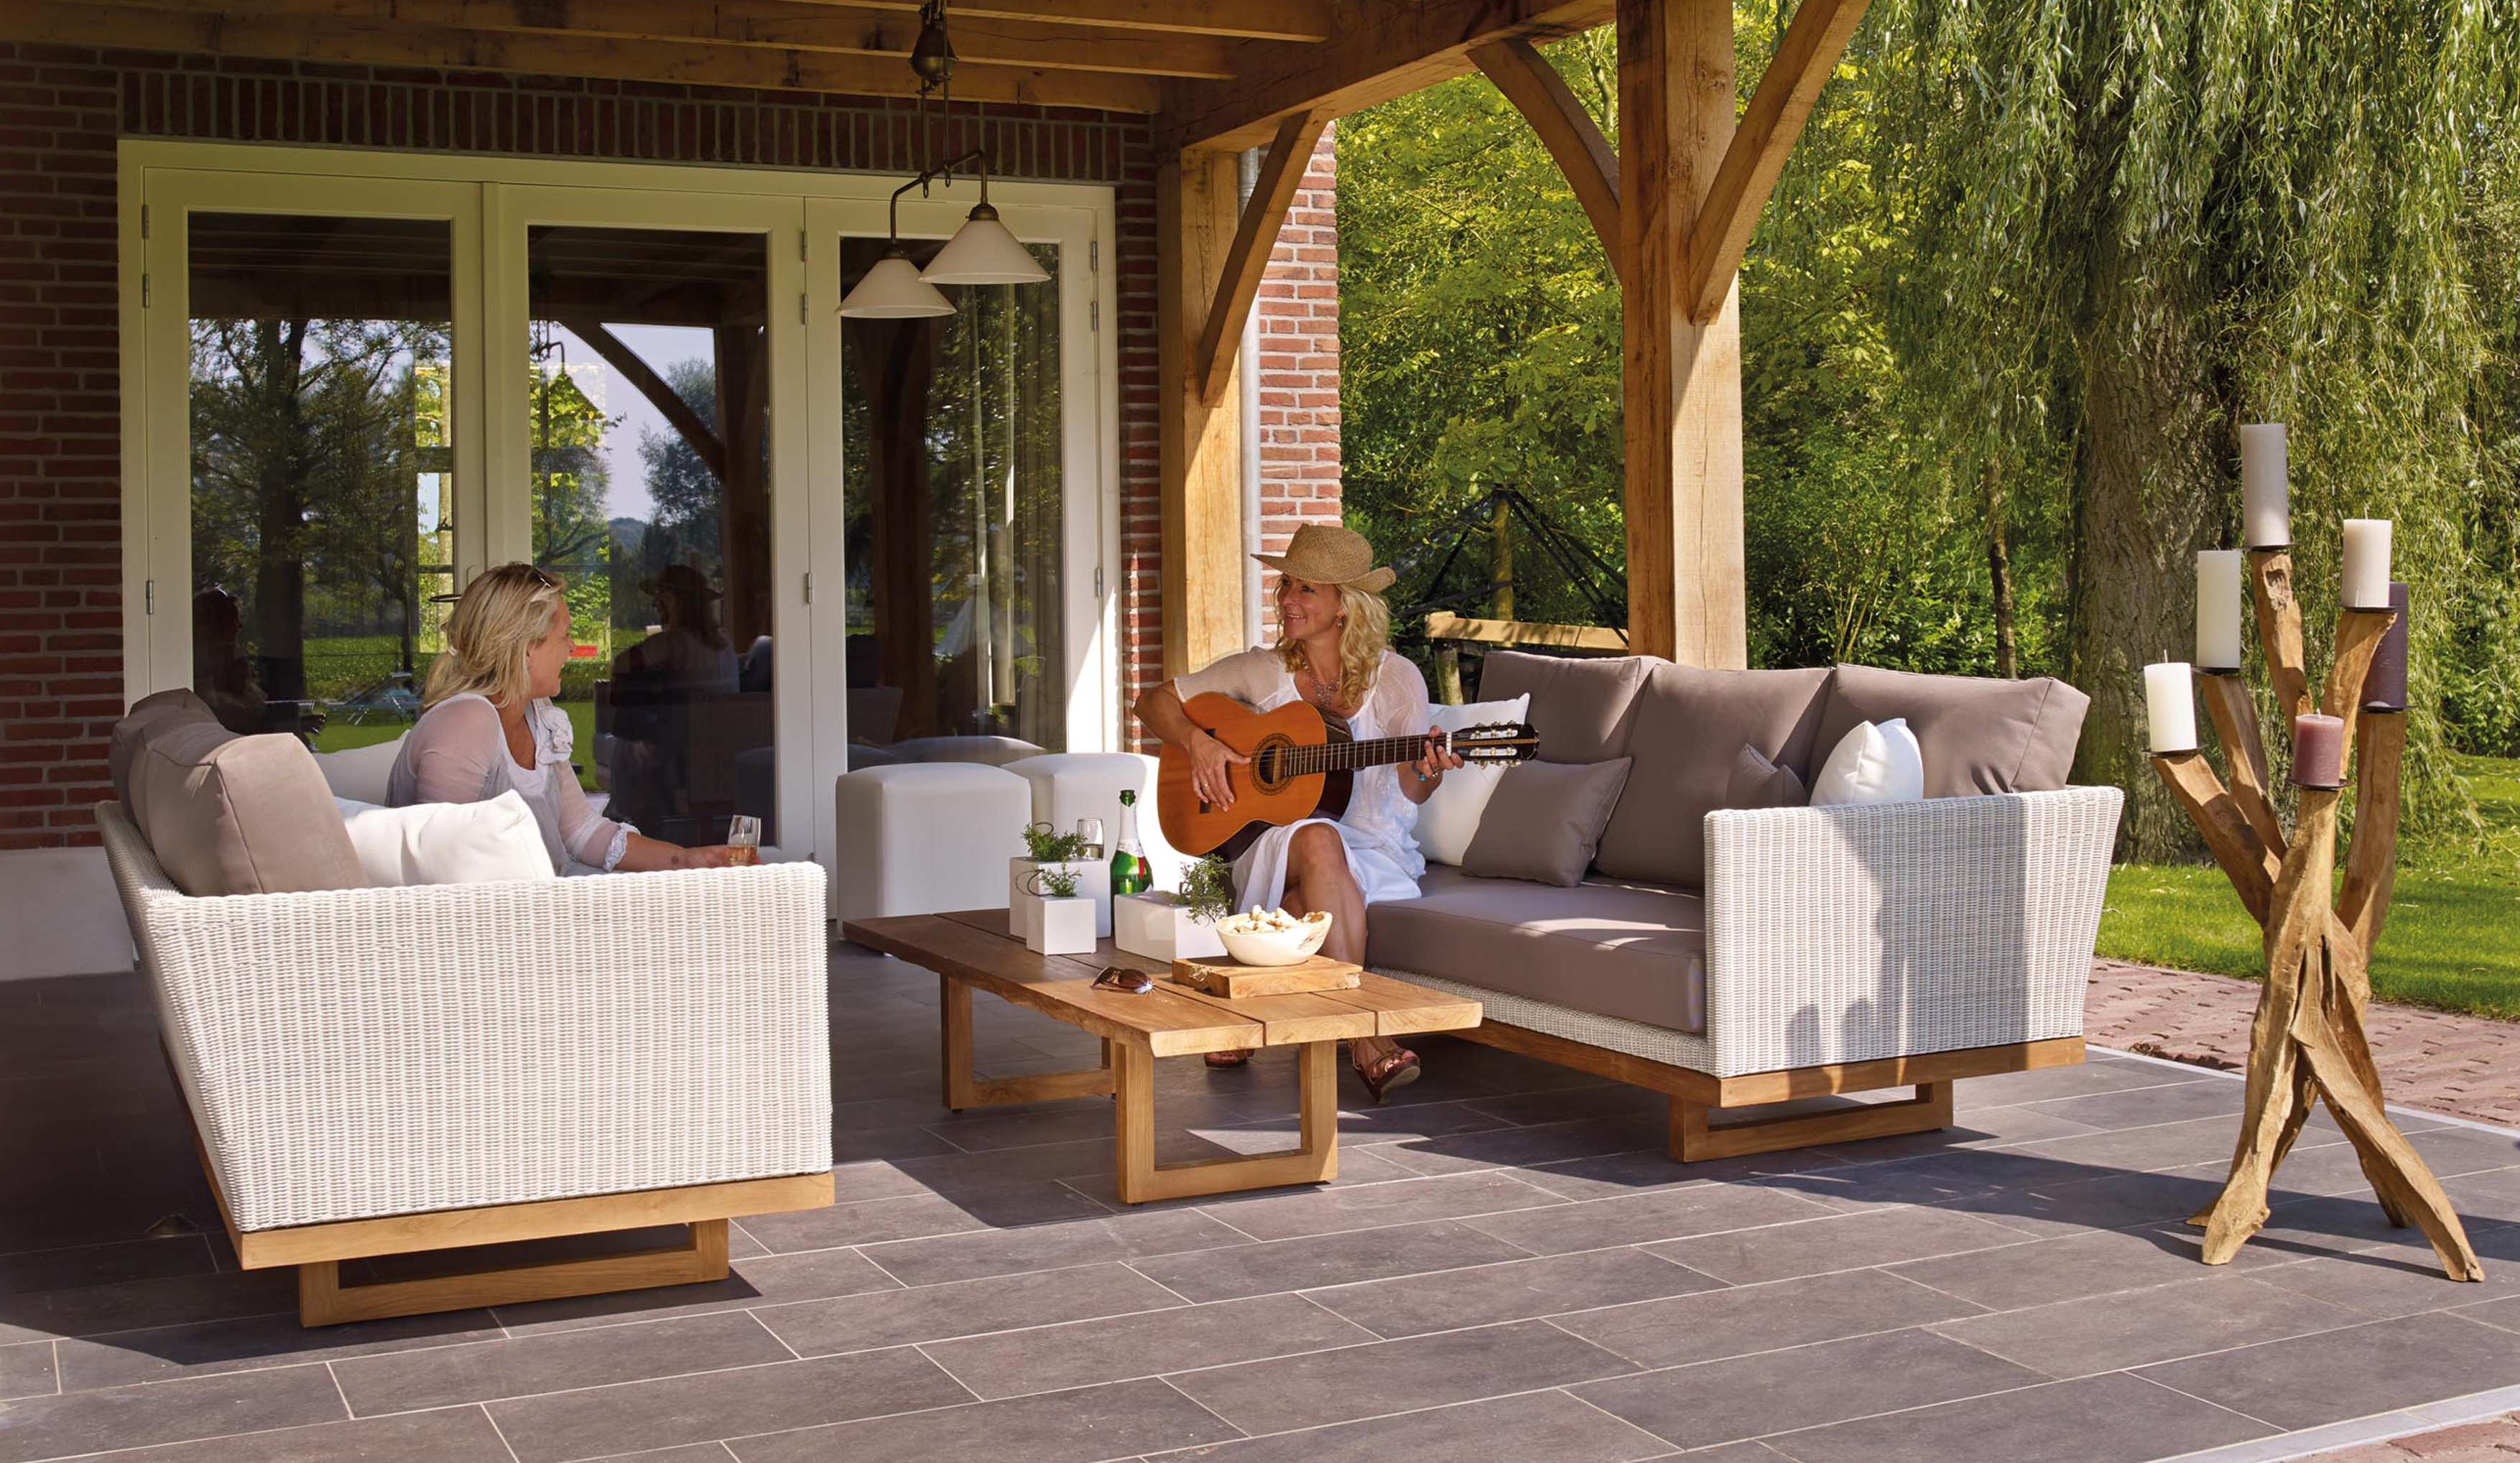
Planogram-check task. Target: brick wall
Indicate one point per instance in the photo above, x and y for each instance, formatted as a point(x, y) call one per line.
point(61, 111)
point(1299, 363)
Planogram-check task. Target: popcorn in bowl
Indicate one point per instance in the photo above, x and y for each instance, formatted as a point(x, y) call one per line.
point(1273, 937)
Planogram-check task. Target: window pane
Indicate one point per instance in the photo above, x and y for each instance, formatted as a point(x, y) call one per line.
point(954, 504)
point(651, 432)
point(323, 488)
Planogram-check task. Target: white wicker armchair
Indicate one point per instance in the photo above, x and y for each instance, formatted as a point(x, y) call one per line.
point(377, 1070)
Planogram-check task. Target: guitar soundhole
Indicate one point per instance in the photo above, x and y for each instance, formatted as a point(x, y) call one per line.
point(1269, 763)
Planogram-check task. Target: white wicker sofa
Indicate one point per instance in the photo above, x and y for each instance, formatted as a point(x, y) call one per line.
point(1734, 958)
point(381, 1070)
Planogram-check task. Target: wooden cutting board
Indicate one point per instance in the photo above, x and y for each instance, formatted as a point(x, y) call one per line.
point(1233, 980)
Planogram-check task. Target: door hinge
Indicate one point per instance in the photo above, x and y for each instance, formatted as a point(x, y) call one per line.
point(1093, 315)
point(144, 220)
point(1097, 581)
point(801, 246)
point(1094, 255)
point(809, 588)
point(144, 292)
point(800, 309)
point(149, 597)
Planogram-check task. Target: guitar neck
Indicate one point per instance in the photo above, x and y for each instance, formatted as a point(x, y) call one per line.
point(1351, 756)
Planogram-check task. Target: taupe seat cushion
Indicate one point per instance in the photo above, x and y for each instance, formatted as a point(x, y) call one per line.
point(1978, 735)
point(1582, 709)
point(227, 814)
point(1689, 727)
point(1637, 952)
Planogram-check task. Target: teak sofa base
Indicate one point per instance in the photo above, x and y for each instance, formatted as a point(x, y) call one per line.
point(1696, 1095)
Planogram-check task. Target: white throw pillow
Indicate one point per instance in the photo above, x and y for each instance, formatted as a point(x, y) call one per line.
point(1450, 816)
point(1872, 764)
point(447, 843)
point(358, 774)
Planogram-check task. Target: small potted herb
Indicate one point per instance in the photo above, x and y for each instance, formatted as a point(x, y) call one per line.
point(1045, 849)
point(1056, 919)
point(1182, 925)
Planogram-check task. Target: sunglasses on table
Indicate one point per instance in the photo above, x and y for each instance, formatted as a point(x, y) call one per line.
point(1127, 981)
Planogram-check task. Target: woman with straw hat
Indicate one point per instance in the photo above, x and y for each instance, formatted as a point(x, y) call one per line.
point(1333, 651)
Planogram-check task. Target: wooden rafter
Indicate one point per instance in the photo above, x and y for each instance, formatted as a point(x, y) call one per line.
point(1255, 234)
point(668, 403)
point(242, 31)
point(1813, 42)
point(1256, 19)
point(1374, 52)
point(841, 29)
point(1587, 158)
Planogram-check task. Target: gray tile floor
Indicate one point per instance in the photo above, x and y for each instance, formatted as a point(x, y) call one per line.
point(1508, 1268)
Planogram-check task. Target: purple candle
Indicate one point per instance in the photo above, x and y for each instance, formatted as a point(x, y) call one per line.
point(2318, 751)
point(2385, 687)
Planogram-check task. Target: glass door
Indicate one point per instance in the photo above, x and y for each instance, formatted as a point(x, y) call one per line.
point(973, 521)
point(645, 360)
point(310, 387)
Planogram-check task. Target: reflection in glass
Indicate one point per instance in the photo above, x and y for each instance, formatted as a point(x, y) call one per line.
point(650, 440)
point(323, 490)
point(952, 444)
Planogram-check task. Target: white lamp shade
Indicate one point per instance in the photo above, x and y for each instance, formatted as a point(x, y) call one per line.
point(983, 251)
point(893, 290)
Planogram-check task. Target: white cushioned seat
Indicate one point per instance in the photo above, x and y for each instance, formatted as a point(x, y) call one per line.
point(923, 836)
point(1070, 785)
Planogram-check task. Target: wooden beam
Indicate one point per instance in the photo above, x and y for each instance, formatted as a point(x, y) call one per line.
point(1255, 235)
point(678, 413)
point(1376, 51)
point(1813, 42)
point(1255, 20)
point(1444, 625)
point(371, 42)
point(1201, 465)
point(1566, 128)
point(1681, 378)
point(839, 29)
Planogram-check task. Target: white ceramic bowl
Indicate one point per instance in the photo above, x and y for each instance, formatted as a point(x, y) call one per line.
point(1255, 946)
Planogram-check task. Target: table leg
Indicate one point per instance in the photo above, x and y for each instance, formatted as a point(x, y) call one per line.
point(963, 1089)
point(1315, 1159)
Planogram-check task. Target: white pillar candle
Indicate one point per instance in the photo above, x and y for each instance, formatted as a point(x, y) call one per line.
point(2217, 610)
point(2266, 503)
point(2367, 565)
point(2170, 699)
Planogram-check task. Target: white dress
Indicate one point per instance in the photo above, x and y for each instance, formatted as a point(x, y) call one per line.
point(1381, 852)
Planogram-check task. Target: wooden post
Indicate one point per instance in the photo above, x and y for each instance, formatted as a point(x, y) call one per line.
point(2308, 1043)
point(1681, 378)
point(1202, 494)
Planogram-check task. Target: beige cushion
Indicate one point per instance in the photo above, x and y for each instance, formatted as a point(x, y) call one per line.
point(1757, 782)
point(1581, 709)
point(1544, 822)
point(148, 716)
point(360, 774)
point(1978, 733)
point(1689, 724)
point(1629, 950)
point(227, 814)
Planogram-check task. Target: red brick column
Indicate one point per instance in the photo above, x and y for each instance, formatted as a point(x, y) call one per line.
point(1299, 361)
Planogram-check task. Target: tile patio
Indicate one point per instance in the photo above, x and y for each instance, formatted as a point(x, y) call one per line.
point(1506, 1270)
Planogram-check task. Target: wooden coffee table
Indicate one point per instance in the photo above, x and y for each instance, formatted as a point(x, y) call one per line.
point(970, 950)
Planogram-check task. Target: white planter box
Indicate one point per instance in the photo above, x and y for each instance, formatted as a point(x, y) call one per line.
point(1092, 881)
point(1158, 927)
point(1056, 926)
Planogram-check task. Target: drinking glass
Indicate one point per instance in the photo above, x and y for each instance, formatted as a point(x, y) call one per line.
point(1090, 831)
point(744, 840)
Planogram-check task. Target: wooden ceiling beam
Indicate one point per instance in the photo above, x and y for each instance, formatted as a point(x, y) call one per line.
point(357, 42)
point(1252, 19)
point(1247, 259)
point(1583, 154)
point(844, 30)
point(1771, 124)
point(1375, 52)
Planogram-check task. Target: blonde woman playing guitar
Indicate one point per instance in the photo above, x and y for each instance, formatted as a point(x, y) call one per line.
point(1333, 653)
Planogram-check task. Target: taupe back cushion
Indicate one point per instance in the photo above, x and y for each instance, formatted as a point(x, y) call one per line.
point(1581, 709)
point(227, 814)
point(1691, 724)
point(1978, 735)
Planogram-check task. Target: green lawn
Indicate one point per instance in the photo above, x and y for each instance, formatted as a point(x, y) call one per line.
point(2454, 936)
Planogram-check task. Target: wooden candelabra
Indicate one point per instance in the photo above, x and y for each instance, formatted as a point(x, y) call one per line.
point(2308, 1041)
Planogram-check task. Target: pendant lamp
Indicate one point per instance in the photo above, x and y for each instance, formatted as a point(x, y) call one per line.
point(893, 290)
point(985, 252)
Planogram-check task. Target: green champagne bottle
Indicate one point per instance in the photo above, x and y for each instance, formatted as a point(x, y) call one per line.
point(1130, 871)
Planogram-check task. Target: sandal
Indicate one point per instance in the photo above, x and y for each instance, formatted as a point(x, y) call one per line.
point(1389, 1075)
point(1219, 1061)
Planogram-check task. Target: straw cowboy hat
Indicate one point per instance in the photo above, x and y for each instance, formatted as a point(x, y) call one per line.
point(1330, 554)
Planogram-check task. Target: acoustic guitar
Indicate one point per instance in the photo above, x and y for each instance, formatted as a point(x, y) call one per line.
point(1303, 765)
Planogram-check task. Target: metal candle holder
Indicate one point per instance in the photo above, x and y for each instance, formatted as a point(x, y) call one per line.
point(2307, 1040)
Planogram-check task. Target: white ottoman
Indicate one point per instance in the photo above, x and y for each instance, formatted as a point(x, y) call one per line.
point(1070, 785)
point(923, 836)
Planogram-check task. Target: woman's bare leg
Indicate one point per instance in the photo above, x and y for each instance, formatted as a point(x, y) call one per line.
point(1318, 878)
